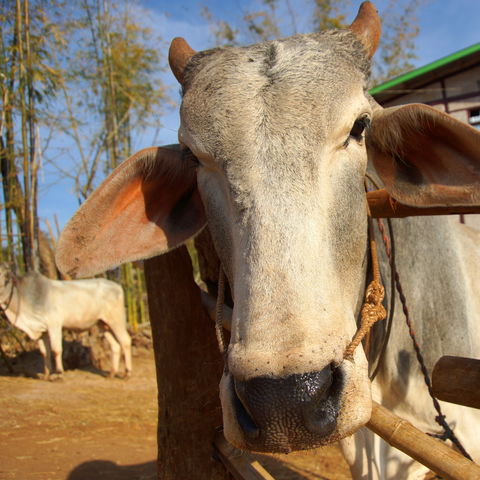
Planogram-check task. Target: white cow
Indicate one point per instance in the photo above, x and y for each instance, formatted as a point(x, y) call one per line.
point(42, 307)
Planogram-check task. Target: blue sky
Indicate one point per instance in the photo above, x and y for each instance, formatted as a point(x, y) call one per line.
point(446, 26)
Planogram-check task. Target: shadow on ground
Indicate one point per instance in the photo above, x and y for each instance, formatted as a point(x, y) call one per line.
point(30, 363)
point(106, 470)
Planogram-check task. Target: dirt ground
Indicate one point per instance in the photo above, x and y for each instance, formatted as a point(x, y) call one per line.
point(88, 427)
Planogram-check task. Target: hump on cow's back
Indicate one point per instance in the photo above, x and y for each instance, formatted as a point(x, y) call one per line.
point(35, 287)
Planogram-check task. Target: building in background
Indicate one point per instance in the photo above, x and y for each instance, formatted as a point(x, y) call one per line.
point(451, 84)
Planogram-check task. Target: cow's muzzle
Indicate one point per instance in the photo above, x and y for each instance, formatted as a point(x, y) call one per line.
point(289, 413)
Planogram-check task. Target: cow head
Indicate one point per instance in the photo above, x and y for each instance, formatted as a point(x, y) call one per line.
point(274, 151)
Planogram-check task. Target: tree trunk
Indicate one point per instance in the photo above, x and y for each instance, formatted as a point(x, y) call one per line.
point(189, 367)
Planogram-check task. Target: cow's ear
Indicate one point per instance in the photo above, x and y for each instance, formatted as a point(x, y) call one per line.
point(148, 205)
point(425, 157)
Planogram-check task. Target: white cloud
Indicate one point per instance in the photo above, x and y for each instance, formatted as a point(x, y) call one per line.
point(197, 34)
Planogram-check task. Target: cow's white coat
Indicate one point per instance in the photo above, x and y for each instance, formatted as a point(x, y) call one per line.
point(41, 307)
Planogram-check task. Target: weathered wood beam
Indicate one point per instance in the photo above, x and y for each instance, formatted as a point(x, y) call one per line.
point(382, 205)
point(457, 380)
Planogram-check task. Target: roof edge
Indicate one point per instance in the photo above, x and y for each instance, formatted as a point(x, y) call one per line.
point(426, 68)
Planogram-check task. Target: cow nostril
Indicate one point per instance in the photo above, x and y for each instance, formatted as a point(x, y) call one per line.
point(320, 414)
point(270, 410)
point(243, 417)
point(321, 419)
point(316, 386)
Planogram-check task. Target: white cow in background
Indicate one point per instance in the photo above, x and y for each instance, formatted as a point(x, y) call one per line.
point(42, 307)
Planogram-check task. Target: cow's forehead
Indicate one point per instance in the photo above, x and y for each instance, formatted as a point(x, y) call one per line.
point(319, 54)
point(303, 82)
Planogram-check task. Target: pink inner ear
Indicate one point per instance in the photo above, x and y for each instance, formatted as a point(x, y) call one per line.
point(148, 205)
point(426, 158)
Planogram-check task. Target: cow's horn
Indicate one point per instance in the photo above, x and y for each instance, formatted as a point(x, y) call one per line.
point(367, 27)
point(178, 56)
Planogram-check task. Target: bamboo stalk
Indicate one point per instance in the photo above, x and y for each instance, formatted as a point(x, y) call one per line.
point(427, 450)
point(131, 297)
point(1, 239)
point(32, 153)
point(57, 227)
point(50, 231)
point(25, 96)
point(11, 185)
point(111, 86)
point(63, 276)
point(141, 294)
point(23, 129)
point(240, 466)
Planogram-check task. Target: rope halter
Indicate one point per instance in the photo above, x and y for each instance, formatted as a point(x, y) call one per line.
point(372, 310)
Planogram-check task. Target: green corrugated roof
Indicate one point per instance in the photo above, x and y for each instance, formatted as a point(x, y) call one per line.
point(426, 68)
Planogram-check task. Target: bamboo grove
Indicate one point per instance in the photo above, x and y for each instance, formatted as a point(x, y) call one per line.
point(18, 155)
point(81, 72)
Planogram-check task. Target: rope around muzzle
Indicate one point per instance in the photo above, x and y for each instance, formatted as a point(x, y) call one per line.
point(372, 310)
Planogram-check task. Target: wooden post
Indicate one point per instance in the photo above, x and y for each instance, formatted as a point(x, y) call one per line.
point(208, 261)
point(427, 450)
point(189, 367)
point(457, 380)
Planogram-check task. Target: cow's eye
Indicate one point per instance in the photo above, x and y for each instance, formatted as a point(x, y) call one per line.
point(361, 123)
point(359, 126)
point(188, 155)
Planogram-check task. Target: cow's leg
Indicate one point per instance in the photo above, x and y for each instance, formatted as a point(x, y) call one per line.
point(123, 338)
point(126, 343)
point(358, 450)
point(371, 458)
point(55, 335)
point(114, 345)
point(44, 346)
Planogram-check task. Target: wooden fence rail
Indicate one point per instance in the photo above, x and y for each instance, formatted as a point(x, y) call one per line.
point(427, 450)
point(240, 466)
point(382, 205)
point(457, 380)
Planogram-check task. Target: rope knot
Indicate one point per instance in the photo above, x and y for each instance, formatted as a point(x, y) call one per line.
point(375, 293)
point(372, 311)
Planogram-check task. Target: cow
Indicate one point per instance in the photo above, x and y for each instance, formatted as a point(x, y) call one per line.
point(41, 307)
point(275, 140)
